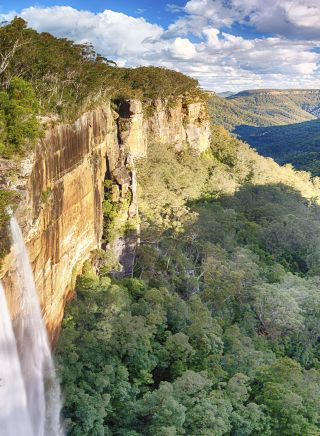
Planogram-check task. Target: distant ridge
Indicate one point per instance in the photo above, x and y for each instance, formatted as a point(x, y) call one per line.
point(265, 107)
point(267, 91)
point(226, 94)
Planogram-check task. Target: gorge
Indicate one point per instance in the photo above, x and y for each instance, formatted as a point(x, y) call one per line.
point(177, 270)
point(63, 187)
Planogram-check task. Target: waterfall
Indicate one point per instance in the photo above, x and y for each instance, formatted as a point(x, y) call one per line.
point(41, 386)
point(14, 416)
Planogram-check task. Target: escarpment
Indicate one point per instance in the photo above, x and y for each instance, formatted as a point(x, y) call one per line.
point(63, 186)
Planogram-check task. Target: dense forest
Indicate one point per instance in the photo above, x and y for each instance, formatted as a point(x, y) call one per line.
point(260, 110)
point(217, 330)
point(297, 143)
point(283, 126)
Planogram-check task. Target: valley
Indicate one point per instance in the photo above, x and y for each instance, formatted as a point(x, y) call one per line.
point(282, 124)
point(175, 268)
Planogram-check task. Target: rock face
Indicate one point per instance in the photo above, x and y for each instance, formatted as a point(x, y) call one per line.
point(62, 213)
point(184, 124)
point(63, 188)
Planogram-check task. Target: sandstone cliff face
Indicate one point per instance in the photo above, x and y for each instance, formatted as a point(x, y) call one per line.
point(63, 189)
point(61, 215)
point(184, 124)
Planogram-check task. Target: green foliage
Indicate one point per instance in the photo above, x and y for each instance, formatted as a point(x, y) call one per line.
point(70, 78)
point(218, 332)
point(294, 143)
point(168, 181)
point(124, 368)
point(280, 125)
point(115, 212)
point(46, 195)
point(156, 82)
point(140, 360)
point(227, 113)
point(272, 214)
point(19, 127)
point(7, 200)
point(259, 109)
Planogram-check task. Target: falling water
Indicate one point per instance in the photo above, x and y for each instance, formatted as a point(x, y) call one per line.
point(41, 386)
point(14, 415)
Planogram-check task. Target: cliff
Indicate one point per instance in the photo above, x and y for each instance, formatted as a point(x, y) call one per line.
point(62, 186)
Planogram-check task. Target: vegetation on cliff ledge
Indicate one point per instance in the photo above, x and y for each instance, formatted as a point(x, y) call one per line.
point(7, 199)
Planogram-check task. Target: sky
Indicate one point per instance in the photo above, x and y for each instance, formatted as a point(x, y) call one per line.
point(228, 45)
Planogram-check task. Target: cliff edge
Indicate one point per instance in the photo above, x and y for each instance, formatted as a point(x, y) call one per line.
point(63, 188)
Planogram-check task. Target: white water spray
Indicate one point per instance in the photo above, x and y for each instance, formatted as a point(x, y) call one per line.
point(41, 386)
point(14, 414)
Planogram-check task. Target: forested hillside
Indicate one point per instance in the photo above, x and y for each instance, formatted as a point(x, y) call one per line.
point(290, 100)
point(217, 331)
point(279, 124)
point(298, 143)
point(259, 108)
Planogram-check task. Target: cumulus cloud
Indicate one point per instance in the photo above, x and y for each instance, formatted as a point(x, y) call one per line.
point(196, 44)
point(291, 18)
point(111, 32)
point(182, 48)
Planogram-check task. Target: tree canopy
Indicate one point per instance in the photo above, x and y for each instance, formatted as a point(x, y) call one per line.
point(217, 332)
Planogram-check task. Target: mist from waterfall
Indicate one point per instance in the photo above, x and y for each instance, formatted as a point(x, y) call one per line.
point(14, 414)
point(41, 392)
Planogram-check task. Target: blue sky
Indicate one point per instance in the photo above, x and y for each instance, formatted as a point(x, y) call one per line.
point(226, 45)
point(154, 11)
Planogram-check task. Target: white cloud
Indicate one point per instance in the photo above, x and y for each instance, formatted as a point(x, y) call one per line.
point(195, 45)
point(212, 36)
point(182, 48)
point(111, 32)
point(292, 18)
point(215, 11)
